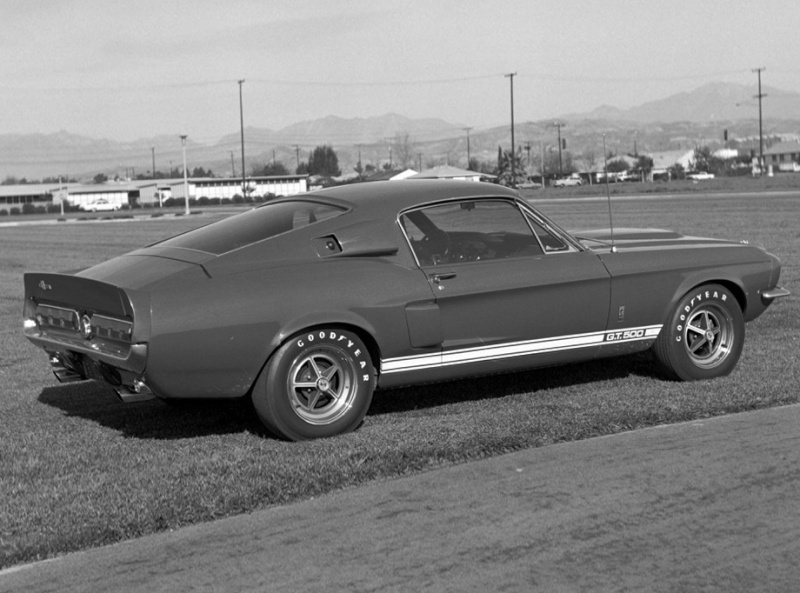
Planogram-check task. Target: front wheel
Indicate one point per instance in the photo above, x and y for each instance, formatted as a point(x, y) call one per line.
point(704, 336)
point(317, 384)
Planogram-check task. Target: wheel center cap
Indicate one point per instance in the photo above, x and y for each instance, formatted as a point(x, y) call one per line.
point(323, 384)
point(710, 336)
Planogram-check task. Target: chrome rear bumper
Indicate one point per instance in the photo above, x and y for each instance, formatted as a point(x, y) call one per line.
point(776, 293)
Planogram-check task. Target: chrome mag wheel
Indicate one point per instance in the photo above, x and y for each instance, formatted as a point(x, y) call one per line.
point(322, 385)
point(708, 336)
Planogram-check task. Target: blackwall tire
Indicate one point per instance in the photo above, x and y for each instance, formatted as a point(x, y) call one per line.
point(704, 336)
point(317, 384)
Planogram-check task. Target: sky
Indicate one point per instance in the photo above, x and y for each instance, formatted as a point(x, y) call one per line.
point(123, 70)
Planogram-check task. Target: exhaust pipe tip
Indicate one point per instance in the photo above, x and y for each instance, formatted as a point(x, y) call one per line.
point(138, 392)
point(67, 376)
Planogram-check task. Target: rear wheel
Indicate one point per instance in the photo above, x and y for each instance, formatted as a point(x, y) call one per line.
point(318, 384)
point(704, 336)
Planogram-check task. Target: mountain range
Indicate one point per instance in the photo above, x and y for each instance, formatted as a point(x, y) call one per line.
point(681, 121)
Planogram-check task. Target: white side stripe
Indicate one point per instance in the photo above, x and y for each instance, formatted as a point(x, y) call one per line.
point(514, 349)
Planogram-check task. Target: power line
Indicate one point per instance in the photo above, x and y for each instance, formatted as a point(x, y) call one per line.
point(376, 83)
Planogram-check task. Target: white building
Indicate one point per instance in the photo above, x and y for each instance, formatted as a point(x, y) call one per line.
point(449, 172)
point(228, 187)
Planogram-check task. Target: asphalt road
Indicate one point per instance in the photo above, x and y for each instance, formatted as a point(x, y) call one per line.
point(710, 505)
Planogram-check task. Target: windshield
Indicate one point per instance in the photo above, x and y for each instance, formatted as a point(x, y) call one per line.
point(253, 226)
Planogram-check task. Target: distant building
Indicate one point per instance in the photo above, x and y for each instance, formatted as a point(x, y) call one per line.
point(663, 161)
point(38, 194)
point(448, 172)
point(228, 187)
point(783, 156)
point(392, 175)
point(146, 192)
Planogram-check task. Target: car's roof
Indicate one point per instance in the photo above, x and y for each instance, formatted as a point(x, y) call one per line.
point(384, 196)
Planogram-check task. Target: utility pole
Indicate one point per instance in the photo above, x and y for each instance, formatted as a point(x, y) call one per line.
point(760, 124)
point(559, 125)
point(389, 144)
point(511, 76)
point(185, 175)
point(297, 157)
point(542, 147)
point(468, 155)
point(153, 150)
point(241, 127)
point(233, 166)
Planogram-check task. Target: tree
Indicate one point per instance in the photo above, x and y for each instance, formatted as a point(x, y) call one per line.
point(705, 161)
point(644, 164)
point(590, 157)
point(323, 161)
point(200, 172)
point(504, 168)
point(617, 165)
point(274, 168)
point(100, 178)
point(403, 149)
point(676, 171)
point(555, 165)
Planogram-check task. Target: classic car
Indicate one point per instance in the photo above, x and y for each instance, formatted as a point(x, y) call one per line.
point(308, 304)
point(573, 180)
point(700, 176)
point(100, 205)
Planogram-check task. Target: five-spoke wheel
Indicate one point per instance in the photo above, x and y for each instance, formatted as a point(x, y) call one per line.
point(704, 336)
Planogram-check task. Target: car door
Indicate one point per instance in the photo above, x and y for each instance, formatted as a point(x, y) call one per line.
point(509, 292)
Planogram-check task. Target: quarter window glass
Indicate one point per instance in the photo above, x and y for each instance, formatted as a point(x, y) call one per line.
point(473, 230)
point(549, 241)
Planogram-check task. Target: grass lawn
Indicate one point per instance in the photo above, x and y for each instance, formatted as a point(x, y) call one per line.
point(80, 469)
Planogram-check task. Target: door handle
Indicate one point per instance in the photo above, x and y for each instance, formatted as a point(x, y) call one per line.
point(437, 278)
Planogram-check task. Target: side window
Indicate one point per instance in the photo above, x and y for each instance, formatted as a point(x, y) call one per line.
point(549, 241)
point(468, 231)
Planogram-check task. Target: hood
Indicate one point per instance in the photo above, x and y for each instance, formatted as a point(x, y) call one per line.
point(633, 238)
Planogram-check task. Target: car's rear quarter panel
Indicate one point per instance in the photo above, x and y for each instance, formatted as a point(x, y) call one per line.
point(212, 335)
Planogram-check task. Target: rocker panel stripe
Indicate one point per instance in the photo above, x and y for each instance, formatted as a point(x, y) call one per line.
point(513, 349)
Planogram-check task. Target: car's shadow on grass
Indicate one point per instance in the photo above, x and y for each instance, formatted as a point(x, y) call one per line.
point(503, 385)
point(155, 419)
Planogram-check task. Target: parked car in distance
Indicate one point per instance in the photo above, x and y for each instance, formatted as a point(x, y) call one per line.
point(100, 205)
point(573, 180)
point(700, 176)
point(307, 304)
point(626, 176)
point(611, 176)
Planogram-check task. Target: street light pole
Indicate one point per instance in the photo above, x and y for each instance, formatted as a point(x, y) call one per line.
point(511, 76)
point(185, 175)
point(560, 160)
point(468, 155)
point(241, 128)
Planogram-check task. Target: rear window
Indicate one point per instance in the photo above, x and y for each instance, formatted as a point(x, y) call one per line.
point(254, 226)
